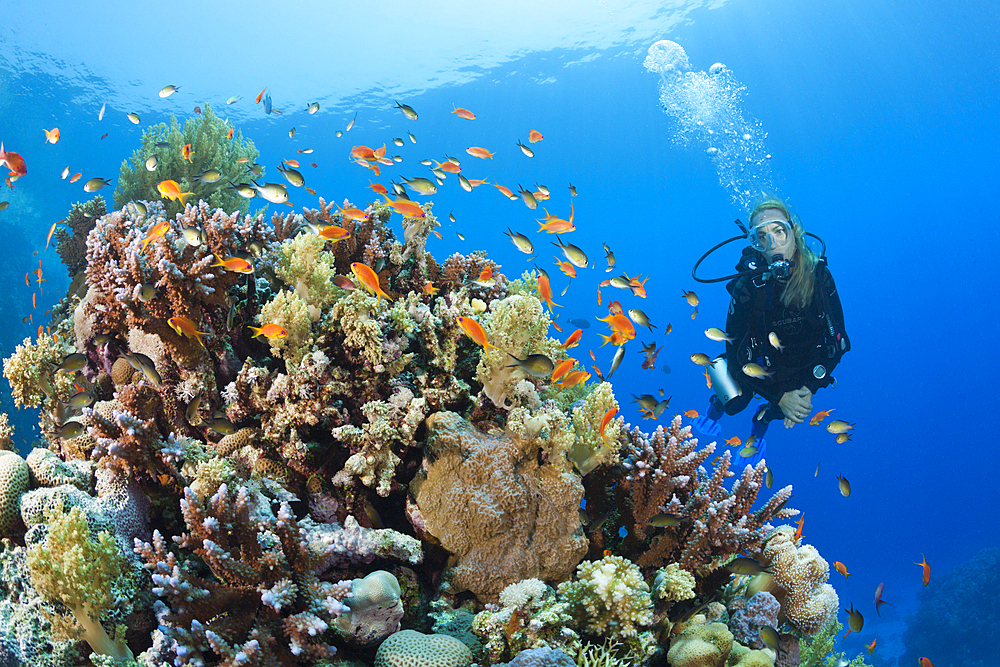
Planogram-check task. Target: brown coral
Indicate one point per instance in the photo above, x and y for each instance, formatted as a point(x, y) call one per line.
point(810, 602)
point(504, 515)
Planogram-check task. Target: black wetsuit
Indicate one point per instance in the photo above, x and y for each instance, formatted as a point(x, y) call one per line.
point(813, 336)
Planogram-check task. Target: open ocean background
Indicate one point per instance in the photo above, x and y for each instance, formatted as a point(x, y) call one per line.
point(877, 120)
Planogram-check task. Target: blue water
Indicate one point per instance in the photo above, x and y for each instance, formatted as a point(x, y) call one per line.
point(880, 120)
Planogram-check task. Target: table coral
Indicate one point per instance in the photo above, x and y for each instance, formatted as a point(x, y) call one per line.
point(504, 515)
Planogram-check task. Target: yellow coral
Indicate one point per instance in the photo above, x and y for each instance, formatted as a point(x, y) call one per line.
point(590, 450)
point(290, 311)
point(354, 315)
point(307, 268)
point(701, 645)
point(811, 603)
point(30, 372)
point(518, 325)
point(609, 596)
point(76, 570)
point(674, 583)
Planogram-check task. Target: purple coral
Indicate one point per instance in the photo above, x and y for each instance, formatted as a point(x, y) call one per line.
point(760, 610)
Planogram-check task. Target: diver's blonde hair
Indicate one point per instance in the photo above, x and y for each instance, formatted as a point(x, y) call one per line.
point(799, 290)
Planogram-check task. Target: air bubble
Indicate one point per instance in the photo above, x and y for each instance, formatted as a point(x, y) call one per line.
point(716, 69)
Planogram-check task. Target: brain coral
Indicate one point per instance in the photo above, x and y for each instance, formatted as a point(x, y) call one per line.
point(489, 501)
point(409, 648)
point(14, 475)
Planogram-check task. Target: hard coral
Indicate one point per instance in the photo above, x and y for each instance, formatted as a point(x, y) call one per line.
point(810, 602)
point(665, 475)
point(409, 648)
point(14, 476)
point(590, 449)
point(504, 515)
point(609, 598)
point(71, 239)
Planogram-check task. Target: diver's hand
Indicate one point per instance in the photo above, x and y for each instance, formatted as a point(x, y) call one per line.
point(796, 406)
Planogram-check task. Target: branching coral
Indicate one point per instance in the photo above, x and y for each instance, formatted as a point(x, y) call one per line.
point(665, 475)
point(211, 148)
point(264, 600)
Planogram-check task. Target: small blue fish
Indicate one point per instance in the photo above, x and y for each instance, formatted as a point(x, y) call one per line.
point(267, 103)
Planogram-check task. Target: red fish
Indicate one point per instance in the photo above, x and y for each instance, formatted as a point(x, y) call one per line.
point(545, 291)
point(925, 662)
point(573, 340)
point(475, 331)
point(478, 151)
point(14, 162)
point(534, 136)
point(927, 569)
point(463, 113)
point(369, 279)
point(260, 95)
point(871, 647)
point(608, 416)
point(800, 523)
point(51, 136)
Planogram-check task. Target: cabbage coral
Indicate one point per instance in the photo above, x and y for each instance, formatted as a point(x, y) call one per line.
point(211, 149)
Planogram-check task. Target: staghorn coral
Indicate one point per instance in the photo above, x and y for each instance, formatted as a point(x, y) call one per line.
point(665, 475)
point(264, 600)
point(186, 285)
point(504, 515)
point(211, 149)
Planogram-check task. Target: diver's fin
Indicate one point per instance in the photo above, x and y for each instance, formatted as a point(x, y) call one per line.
point(707, 426)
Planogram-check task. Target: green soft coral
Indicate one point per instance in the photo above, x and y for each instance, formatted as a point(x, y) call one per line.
point(79, 572)
point(211, 149)
point(354, 314)
point(305, 266)
point(289, 310)
point(817, 651)
point(590, 449)
point(518, 325)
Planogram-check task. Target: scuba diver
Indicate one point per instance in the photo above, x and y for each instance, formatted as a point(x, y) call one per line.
point(785, 327)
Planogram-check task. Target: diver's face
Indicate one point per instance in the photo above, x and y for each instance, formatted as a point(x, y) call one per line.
point(774, 234)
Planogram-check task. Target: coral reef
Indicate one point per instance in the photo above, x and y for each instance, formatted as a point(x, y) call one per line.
point(665, 475)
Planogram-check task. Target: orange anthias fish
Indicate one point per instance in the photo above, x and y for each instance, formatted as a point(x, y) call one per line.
point(927, 569)
point(51, 230)
point(187, 152)
point(573, 340)
point(369, 279)
point(14, 162)
point(615, 339)
point(608, 416)
point(185, 327)
point(638, 287)
point(477, 151)
point(505, 191)
point(733, 441)
point(269, 331)
point(620, 324)
point(574, 378)
point(800, 523)
point(820, 416)
point(691, 414)
point(157, 232)
point(554, 225)
point(230, 133)
point(352, 213)
point(545, 291)
point(534, 136)
point(463, 113)
point(925, 662)
point(172, 190)
point(562, 368)
point(566, 268)
point(333, 233)
point(407, 208)
point(260, 95)
point(429, 289)
point(871, 647)
point(234, 264)
point(377, 188)
point(448, 167)
point(615, 308)
point(475, 331)
point(51, 136)
point(841, 568)
point(75, 177)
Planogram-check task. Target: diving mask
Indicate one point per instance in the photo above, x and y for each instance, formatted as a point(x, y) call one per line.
point(769, 234)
